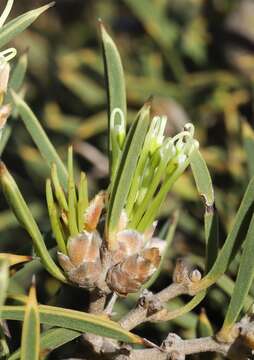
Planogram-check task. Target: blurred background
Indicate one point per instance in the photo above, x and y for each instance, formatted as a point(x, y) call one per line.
point(196, 57)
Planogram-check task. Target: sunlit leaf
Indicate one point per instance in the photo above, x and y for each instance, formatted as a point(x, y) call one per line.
point(243, 283)
point(122, 181)
point(75, 320)
point(14, 259)
point(26, 219)
point(30, 339)
point(51, 339)
point(115, 85)
point(205, 188)
point(248, 142)
point(40, 138)
point(233, 241)
point(19, 24)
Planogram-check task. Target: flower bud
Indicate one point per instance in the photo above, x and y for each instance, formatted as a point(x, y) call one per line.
point(155, 134)
point(93, 212)
point(129, 242)
point(195, 275)
point(83, 263)
point(129, 275)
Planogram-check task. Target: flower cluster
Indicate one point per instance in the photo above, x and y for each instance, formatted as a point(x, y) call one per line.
point(80, 227)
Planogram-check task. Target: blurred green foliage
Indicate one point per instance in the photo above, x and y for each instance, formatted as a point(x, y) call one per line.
point(195, 57)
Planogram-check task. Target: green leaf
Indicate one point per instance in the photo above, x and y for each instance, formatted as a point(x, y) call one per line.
point(202, 177)
point(227, 285)
point(58, 188)
point(157, 176)
point(72, 197)
point(186, 308)
point(14, 259)
point(115, 82)
point(51, 339)
point(26, 219)
point(126, 169)
point(30, 339)
point(248, 142)
point(233, 241)
point(205, 188)
point(243, 282)
point(18, 74)
point(21, 280)
point(4, 137)
point(40, 138)
point(211, 236)
point(75, 320)
point(82, 200)
point(54, 219)
point(158, 200)
point(19, 24)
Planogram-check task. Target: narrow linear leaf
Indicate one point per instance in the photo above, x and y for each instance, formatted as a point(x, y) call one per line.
point(115, 80)
point(58, 188)
point(82, 200)
point(243, 282)
point(19, 24)
point(30, 339)
point(211, 236)
point(125, 171)
point(50, 340)
point(20, 298)
point(248, 142)
point(26, 219)
point(14, 259)
point(202, 177)
point(17, 76)
point(205, 188)
point(227, 285)
point(159, 198)
point(233, 241)
point(4, 137)
point(21, 280)
point(72, 197)
point(54, 218)
point(186, 308)
point(39, 137)
point(75, 320)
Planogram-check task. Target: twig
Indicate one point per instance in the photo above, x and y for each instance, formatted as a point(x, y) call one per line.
point(141, 313)
point(177, 349)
